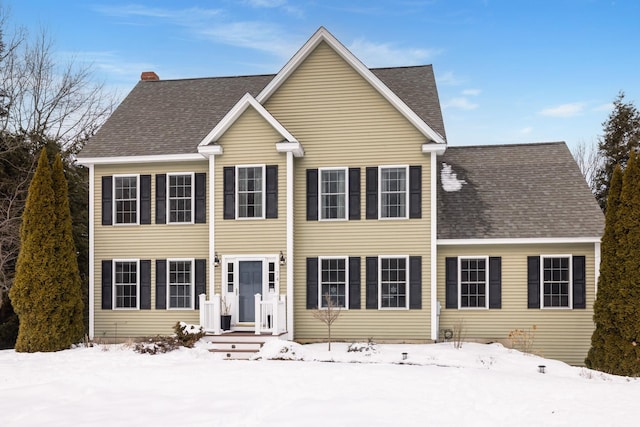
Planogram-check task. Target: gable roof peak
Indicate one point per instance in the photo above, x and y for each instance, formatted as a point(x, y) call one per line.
point(323, 35)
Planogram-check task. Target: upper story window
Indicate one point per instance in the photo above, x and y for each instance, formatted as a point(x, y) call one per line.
point(181, 284)
point(180, 195)
point(251, 191)
point(556, 281)
point(333, 193)
point(126, 284)
point(394, 186)
point(393, 283)
point(473, 282)
point(126, 197)
point(333, 282)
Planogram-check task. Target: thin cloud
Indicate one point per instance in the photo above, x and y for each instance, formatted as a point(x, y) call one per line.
point(460, 103)
point(208, 24)
point(526, 131)
point(254, 35)
point(273, 4)
point(564, 110)
point(604, 107)
point(471, 92)
point(179, 16)
point(387, 55)
point(449, 79)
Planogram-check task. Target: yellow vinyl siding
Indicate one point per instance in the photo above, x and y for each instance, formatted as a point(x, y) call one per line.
point(250, 141)
point(342, 121)
point(150, 241)
point(563, 334)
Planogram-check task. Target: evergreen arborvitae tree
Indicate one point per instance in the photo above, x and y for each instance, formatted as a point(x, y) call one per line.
point(599, 356)
point(34, 290)
point(68, 315)
point(47, 293)
point(620, 139)
point(627, 304)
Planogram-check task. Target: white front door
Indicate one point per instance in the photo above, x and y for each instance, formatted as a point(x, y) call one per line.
point(243, 277)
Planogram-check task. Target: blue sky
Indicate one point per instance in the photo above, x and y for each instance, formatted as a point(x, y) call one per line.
point(510, 71)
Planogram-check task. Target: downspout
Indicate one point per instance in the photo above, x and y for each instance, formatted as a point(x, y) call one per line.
point(212, 225)
point(290, 254)
point(435, 311)
point(92, 246)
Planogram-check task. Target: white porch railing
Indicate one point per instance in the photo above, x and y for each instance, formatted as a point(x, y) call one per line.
point(271, 315)
point(210, 313)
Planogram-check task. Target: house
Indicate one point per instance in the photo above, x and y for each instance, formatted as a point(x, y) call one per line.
point(260, 195)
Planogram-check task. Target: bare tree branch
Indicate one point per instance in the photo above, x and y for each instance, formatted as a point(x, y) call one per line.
point(589, 160)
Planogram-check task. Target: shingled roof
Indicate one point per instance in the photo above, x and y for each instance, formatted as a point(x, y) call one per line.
point(173, 116)
point(514, 191)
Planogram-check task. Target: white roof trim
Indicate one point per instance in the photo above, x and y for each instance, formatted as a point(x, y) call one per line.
point(323, 35)
point(519, 241)
point(210, 150)
point(241, 106)
point(294, 147)
point(140, 159)
point(430, 147)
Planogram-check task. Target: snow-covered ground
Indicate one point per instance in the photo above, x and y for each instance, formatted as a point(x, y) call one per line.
point(437, 385)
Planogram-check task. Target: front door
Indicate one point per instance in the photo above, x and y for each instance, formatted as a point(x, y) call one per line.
point(250, 283)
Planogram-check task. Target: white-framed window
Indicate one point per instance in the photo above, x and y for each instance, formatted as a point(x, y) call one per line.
point(250, 185)
point(333, 279)
point(555, 289)
point(126, 284)
point(473, 282)
point(180, 281)
point(394, 192)
point(393, 281)
point(126, 198)
point(333, 184)
point(180, 194)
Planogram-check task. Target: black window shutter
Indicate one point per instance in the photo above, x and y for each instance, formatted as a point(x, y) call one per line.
point(161, 198)
point(415, 282)
point(451, 282)
point(495, 282)
point(229, 190)
point(372, 193)
point(200, 216)
point(372, 282)
point(145, 199)
point(415, 191)
point(312, 194)
point(354, 193)
point(272, 191)
point(201, 280)
point(533, 282)
point(107, 296)
point(107, 200)
point(312, 283)
point(161, 283)
point(579, 282)
point(145, 284)
point(354, 282)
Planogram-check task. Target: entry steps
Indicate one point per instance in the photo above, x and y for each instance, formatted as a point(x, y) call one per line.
point(238, 345)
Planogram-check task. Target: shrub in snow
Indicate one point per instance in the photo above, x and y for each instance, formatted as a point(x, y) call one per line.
point(368, 348)
point(187, 335)
point(280, 350)
point(157, 345)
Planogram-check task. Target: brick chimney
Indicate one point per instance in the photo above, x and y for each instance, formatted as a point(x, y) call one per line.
point(149, 76)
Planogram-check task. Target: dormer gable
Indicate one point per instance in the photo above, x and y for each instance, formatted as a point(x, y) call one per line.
point(323, 35)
